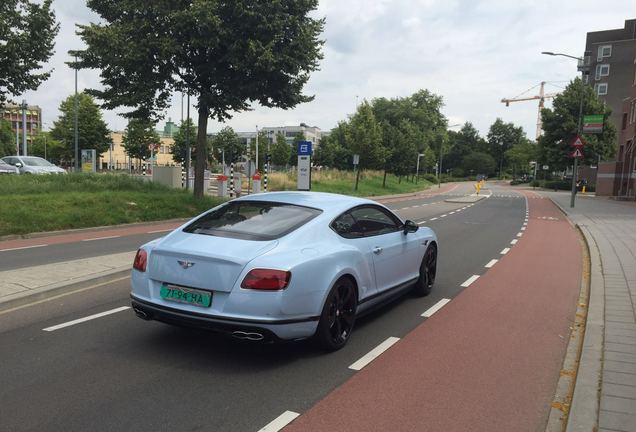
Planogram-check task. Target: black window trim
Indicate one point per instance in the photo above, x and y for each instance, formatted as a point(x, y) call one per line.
point(250, 236)
point(389, 213)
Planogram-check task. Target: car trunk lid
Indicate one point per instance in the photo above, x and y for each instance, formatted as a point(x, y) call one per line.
point(202, 261)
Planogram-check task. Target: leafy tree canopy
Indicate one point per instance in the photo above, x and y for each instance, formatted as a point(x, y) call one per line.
point(502, 137)
point(178, 148)
point(7, 139)
point(226, 144)
point(92, 130)
point(139, 134)
point(45, 146)
point(479, 163)
point(467, 140)
point(560, 125)
point(281, 151)
point(227, 54)
point(27, 32)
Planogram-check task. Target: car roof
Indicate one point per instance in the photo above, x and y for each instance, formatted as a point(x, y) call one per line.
point(327, 202)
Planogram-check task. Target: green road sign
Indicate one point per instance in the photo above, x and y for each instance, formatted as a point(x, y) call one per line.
point(593, 123)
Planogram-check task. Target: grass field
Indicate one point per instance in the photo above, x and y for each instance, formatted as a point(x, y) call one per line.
point(58, 202)
point(343, 182)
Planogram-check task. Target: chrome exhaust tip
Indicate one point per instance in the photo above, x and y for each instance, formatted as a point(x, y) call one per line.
point(248, 335)
point(141, 314)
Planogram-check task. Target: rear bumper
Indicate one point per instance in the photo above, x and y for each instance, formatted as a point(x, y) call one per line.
point(243, 329)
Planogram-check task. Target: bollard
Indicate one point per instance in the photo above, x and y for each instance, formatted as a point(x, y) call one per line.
point(256, 183)
point(232, 180)
point(221, 185)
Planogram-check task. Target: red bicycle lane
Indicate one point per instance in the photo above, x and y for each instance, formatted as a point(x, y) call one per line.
point(487, 361)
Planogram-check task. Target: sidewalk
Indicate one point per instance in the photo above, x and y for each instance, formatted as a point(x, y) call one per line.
point(605, 392)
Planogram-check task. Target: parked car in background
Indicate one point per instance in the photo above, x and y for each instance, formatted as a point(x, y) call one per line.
point(33, 165)
point(5, 168)
point(283, 266)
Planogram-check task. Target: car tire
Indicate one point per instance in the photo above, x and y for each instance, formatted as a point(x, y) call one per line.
point(338, 316)
point(428, 270)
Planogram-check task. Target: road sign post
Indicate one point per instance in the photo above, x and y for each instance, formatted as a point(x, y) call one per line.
point(304, 165)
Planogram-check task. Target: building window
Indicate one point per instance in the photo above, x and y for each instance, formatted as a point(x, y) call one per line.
point(602, 70)
point(604, 51)
point(600, 89)
point(632, 113)
point(586, 78)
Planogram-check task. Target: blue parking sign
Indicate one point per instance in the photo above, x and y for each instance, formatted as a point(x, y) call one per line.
point(304, 148)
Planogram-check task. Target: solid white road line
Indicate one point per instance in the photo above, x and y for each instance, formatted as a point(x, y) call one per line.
point(158, 231)
point(513, 242)
point(88, 318)
point(23, 247)
point(491, 263)
point(280, 422)
point(101, 238)
point(437, 306)
point(469, 281)
point(374, 353)
point(505, 251)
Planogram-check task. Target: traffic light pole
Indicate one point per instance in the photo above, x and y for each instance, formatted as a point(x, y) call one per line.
point(576, 160)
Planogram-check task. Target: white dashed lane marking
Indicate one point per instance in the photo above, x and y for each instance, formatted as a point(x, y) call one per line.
point(491, 263)
point(280, 422)
point(23, 247)
point(374, 353)
point(88, 318)
point(101, 238)
point(505, 251)
point(513, 242)
point(469, 281)
point(437, 306)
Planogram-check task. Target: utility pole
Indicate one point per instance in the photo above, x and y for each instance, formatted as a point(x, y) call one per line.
point(76, 156)
point(24, 127)
point(187, 140)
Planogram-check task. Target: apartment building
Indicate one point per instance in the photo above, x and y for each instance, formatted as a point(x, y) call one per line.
point(13, 114)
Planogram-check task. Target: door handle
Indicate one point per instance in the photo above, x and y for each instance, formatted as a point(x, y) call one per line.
point(377, 250)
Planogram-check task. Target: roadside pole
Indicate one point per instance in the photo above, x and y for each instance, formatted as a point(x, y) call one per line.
point(576, 159)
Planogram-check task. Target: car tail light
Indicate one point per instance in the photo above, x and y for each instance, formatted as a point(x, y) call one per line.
point(140, 260)
point(266, 279)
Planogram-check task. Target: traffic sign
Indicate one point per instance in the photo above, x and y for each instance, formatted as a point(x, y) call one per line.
point(578, 142)
point(593, 123)
point(577, 153)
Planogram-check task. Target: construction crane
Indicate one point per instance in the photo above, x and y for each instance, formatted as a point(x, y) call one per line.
point(542, 96)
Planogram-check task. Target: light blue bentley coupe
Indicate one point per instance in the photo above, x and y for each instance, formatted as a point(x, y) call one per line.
point(283, 266)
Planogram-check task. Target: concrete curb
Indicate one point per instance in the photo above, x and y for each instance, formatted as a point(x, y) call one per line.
point(46, 292)
point(584, 411)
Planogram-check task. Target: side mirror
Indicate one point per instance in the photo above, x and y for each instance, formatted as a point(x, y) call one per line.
point(18, 164)
point(410, 226)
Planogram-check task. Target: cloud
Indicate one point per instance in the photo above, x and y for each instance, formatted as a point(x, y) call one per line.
point(473, 53)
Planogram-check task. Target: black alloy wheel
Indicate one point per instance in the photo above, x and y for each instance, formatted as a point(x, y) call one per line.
point(338, 316)
point(428, 270)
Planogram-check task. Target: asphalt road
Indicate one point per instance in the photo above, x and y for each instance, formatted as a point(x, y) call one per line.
point(120, 373)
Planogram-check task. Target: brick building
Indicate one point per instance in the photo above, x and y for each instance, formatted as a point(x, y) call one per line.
point(13, 114)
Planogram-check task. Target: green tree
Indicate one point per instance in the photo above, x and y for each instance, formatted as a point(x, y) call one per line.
point(226, 144)
point(479, 163)
point(7, 139)
point(45, 146)
point(92, 130)
point(459, 144)
point(27, 33)
point(364, 138)
point(560, 126)
point(501, 138)
point(520, 156)
point(139, 134)
point(226, 54)
point(280, 150)
point(178, 148)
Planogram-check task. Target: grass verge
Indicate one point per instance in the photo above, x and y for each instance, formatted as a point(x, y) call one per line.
point(58, 202)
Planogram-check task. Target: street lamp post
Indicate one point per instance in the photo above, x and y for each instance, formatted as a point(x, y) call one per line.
point(417, 169)
point(582, 68)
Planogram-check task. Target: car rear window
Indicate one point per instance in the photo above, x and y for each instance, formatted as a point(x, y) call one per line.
point(252, 220)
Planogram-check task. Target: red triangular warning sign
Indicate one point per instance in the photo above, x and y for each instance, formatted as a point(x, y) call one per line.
point(578, 142)
point(577, 153)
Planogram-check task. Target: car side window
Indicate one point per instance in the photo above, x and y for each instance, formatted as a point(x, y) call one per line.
point(10, 160)
point(365, 221)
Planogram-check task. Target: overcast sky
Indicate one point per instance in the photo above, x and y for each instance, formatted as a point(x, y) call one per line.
point(473, 53)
